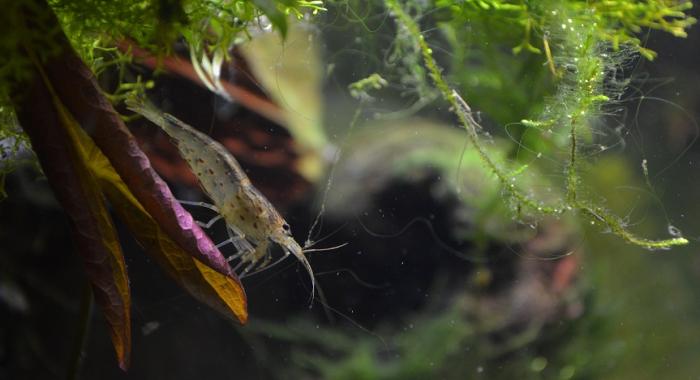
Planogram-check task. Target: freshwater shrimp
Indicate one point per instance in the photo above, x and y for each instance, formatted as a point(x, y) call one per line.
point(251, 221)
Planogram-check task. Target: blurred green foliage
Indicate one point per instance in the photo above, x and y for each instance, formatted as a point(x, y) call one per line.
point(94, 27)
point(556, 75)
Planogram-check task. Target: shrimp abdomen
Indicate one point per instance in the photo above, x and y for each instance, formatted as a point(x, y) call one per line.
point(218, 172)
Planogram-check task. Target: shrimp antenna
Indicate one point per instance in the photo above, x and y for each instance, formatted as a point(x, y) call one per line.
point(354, 275)
point(327, 308)
point(436, 238)
point(310, 243)
point(325, 249)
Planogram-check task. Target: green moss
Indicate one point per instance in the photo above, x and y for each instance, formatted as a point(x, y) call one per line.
point(615, 21)
point(582, 62)
point(94, 27)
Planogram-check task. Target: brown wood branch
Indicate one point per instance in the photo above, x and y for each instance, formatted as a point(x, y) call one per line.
point(176, 65)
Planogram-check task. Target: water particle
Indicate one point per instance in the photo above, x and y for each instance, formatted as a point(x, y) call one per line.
point(674, 231)
point(538, 364)
point(567, 372)
point(149, 327)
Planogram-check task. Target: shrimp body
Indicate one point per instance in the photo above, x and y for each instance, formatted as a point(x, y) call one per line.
point(247, 213)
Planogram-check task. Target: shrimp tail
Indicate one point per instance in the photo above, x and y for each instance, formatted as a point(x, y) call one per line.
point(146, 109)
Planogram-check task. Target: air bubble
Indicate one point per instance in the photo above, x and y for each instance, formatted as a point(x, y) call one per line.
point(674, 231)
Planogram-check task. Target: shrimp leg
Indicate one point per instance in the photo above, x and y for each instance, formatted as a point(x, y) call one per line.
point(267, 266)
point(260, 259)
point(250, 257)
point(235, 269)
point(210, 222)
point(242, 246)
point(259, 264)
point(200, 204)
point(237, 238)
point(232, 240)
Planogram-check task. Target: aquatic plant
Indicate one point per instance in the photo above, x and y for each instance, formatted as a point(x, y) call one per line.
point(94, 29)
point(51, 53)
point(54, 51)
point(592, 41)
